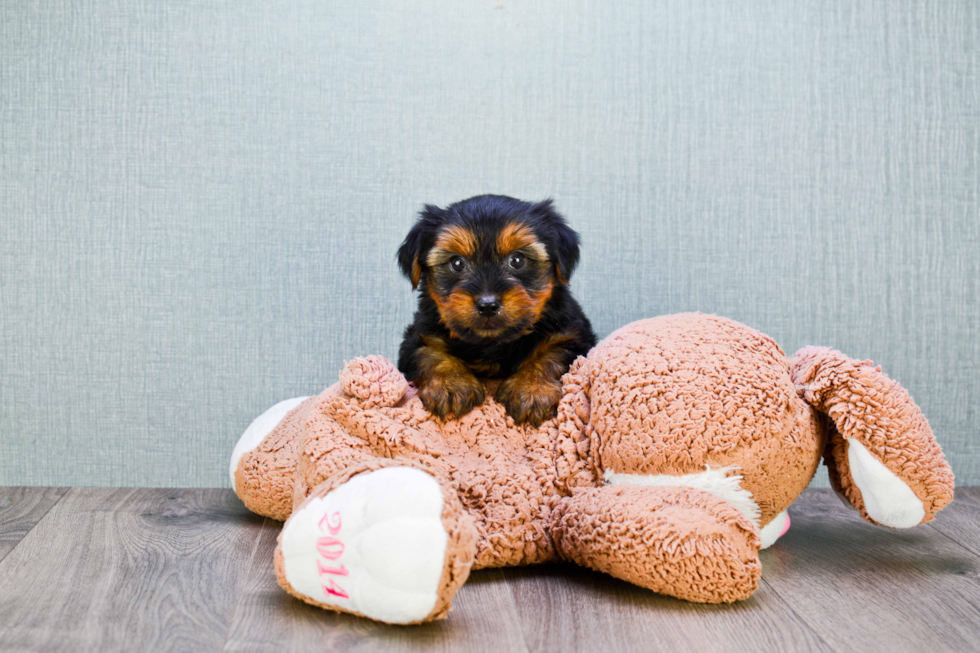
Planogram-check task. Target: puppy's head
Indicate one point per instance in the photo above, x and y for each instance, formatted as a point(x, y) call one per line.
point(489, 263)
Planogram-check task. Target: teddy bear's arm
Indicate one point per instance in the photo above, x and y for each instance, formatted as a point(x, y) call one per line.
point(678, 541)
point(881, 454)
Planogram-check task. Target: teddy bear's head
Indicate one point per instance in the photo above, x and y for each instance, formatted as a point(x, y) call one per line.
point(694, 396)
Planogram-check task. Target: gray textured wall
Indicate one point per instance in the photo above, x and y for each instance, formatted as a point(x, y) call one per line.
point(200, 202)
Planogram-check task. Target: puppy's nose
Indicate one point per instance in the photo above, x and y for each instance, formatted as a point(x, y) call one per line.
point(488, 305)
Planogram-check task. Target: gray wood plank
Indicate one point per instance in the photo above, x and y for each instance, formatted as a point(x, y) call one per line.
point(960, 520)
point(567, 608)
point(483, 618)
point(20, 509)
point(126, 569)
point(868, 588)
point(192, 570)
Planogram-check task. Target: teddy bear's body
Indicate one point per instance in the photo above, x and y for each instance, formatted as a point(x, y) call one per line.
point(678, 445)
point(502, 474)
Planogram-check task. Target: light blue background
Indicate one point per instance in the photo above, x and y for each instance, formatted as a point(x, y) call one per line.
point(200, 202)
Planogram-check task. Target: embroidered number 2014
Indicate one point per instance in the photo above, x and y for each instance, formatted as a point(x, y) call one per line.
point(330, 548)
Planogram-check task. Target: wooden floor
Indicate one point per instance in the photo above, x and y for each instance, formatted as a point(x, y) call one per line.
point(191, 570)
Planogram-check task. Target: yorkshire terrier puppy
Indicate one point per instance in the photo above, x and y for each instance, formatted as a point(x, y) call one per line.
point(493, 273)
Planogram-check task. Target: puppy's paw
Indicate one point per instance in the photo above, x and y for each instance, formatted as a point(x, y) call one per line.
point(530, 398)
point(450, 395)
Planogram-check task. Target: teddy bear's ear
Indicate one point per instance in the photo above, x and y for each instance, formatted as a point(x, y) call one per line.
point(884, 458)
point(419, 239)
point(562, 242)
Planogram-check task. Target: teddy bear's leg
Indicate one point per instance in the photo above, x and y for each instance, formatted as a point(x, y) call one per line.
point(679, 541)
point(265, 458)
point(325, 449)
point(881, 454)
point(384, 539)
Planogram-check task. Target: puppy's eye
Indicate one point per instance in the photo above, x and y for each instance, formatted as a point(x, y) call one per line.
point(517, 260)
point(457, 263)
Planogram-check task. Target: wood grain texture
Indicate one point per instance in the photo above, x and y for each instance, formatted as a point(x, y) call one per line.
point(20, 509)
point(191, 570)
point(960, 521)
point(134, 570)
point(867, 588)
point(482, 618)
point(567, 608)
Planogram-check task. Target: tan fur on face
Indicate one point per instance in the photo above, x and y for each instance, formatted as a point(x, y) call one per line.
point(456, 308)
point(519, 305)
point(516, 236)
point(453, 240)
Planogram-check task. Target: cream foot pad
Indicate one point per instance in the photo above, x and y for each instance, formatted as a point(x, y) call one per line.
point(887, 498)
point(375, 546)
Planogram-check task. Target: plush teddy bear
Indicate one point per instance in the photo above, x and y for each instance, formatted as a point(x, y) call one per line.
point(678, 445)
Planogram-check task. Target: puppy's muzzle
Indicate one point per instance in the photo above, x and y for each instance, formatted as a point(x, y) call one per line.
point(488, 305)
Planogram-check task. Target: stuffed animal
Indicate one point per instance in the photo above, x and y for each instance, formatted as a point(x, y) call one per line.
point(678, 445)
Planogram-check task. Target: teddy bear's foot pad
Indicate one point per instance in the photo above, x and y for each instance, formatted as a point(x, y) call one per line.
point(374, 546)
point(774, 530)
point(887, 498)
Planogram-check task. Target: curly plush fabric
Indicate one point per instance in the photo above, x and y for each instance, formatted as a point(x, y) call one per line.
point(867, 406)
point(676, 441)
point(678, 541)
point(677, 394)
point(266, 476)
point(503, 474)
point(373, 380)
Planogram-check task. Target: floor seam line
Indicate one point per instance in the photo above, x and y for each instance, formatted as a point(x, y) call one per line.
point(31, 529)
point(952, 539)
point(248, 567)
point(517, 614)
point(796, 614)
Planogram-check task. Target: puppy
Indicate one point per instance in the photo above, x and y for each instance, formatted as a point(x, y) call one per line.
point(493, 273)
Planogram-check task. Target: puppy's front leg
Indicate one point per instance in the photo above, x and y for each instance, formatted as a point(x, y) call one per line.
point(532, 393)
point(446, 385)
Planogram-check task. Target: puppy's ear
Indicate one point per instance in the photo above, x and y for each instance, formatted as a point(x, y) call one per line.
point(411, 254)
point(562, 242)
